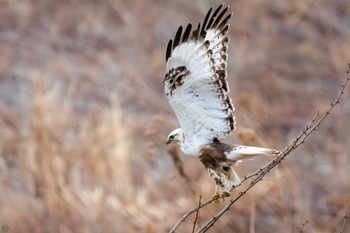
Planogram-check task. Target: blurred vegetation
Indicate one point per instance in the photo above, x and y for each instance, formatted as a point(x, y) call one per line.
point(83, 117)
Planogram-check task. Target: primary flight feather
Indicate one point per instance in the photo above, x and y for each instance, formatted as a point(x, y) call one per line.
point(197, 90)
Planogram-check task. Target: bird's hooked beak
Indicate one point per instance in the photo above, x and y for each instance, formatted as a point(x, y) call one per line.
point(170, 140)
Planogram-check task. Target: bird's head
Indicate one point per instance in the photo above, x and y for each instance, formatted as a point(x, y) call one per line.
point(175, 136)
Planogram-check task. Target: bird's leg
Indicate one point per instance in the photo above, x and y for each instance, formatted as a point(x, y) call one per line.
point(222, 189)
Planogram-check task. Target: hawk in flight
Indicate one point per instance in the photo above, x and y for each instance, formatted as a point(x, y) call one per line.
point(197, 90)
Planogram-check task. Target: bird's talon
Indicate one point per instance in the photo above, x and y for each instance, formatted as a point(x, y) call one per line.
point(218, 196)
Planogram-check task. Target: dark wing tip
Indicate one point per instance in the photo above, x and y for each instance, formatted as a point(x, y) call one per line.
point(218, 9)
point(196, 33)
point(177, 37)
point(206, 20)
point(217, 20)
point(211, 20)
point(187, 33)
point(224, 21)
point(169, 50)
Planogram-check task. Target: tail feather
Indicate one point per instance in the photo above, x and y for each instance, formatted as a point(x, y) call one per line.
point(248, 152)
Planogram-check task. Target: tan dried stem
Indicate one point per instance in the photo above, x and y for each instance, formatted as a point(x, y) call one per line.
point(344, 222)
point(302, 226)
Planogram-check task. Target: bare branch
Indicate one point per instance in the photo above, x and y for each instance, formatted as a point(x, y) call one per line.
point(258, 175)
point(344, 222)
point(302, 227)
point(197, 212)
point(174, 154)
point(191, 211)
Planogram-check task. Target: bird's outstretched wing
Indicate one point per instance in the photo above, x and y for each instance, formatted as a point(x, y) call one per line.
point(195, 83)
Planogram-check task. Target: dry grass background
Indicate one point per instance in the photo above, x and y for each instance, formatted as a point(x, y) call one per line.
point(83, 117)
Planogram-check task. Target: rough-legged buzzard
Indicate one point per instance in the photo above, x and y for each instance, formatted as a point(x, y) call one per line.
point(197, 90)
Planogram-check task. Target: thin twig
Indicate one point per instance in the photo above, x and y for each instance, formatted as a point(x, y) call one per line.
point(197, 212)
point(175, 157)
point(302, 227)
point(344, 222)
point(188, 213)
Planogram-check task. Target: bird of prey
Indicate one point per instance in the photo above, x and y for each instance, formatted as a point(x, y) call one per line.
point(197, 90)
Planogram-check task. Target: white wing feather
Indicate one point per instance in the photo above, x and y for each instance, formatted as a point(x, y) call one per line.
point(196, 84)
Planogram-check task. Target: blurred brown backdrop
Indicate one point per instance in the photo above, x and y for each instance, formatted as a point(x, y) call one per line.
point(83, 117)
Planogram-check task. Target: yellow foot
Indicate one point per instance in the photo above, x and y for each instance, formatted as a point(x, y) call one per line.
point(218, 196)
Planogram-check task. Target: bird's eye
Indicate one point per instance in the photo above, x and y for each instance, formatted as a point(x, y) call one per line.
point(171, 137)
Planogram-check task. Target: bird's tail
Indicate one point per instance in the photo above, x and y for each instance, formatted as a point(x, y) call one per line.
point(246, 152)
